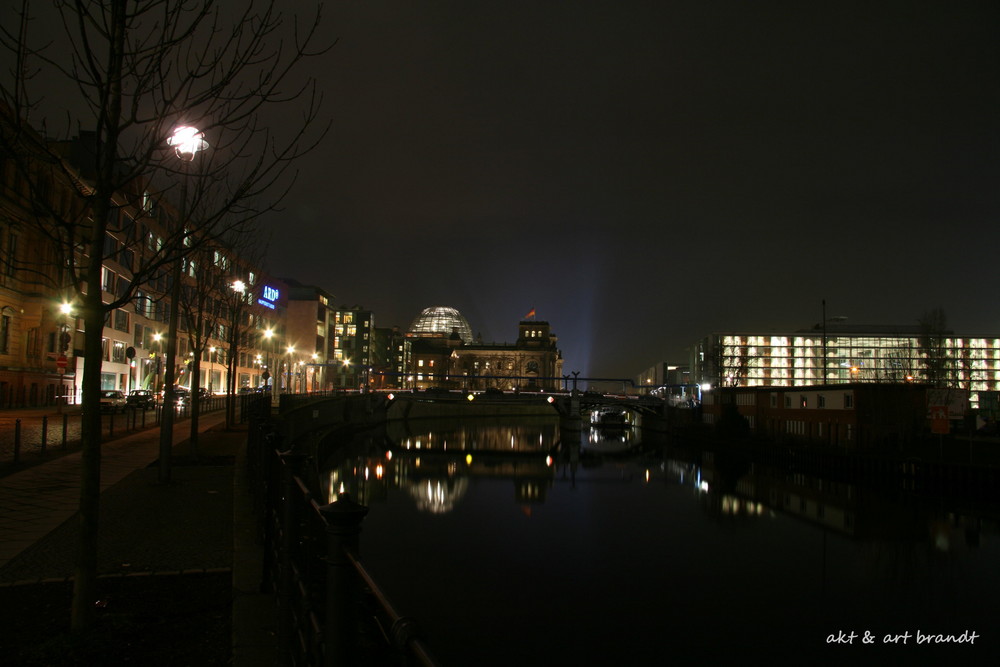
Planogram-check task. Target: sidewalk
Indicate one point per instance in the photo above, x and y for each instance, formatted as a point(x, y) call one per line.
point(199, 522)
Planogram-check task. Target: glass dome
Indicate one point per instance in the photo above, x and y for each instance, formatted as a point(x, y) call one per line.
point(441, 320)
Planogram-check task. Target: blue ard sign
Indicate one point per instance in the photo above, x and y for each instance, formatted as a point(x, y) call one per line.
point(268, 296)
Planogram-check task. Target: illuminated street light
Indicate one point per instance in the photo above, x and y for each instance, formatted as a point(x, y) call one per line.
point(187, 141)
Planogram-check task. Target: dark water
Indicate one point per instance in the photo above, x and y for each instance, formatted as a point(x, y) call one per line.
point(514, 546)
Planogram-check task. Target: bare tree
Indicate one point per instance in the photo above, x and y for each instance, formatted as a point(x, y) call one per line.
point(932, 341)
point(138, 70)
point(207, 278)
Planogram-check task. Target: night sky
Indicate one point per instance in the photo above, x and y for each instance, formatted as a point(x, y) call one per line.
point(645, 173)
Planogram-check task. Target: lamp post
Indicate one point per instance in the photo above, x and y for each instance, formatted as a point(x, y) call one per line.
point(211, 367)
point(313, 381)
point(288, 378)
point(269, 335)
point(158, 339)
point(66, 309)
point(187, 142)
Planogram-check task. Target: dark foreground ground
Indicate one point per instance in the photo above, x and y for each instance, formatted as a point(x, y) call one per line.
point(142, 620)
point(165, 559)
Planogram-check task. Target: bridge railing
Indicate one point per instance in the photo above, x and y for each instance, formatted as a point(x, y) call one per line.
point(330, 610)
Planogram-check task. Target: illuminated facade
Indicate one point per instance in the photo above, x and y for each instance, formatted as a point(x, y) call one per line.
point(445, 358)
point(41, 329)
point(842, 354)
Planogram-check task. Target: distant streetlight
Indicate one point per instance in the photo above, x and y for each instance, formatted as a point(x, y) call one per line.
point(66, 310)
point(158, 339)
point(271, 362)
point(343, 372)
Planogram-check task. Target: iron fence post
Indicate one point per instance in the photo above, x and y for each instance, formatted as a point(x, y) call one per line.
point(343, 526)
point(289, 538)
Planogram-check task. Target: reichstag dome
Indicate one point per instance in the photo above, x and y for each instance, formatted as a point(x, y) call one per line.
point(441, 320)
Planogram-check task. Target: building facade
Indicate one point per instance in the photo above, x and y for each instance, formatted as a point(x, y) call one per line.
point(445, 359)
point(41, 330)
point(850, 355)
point(858, 415)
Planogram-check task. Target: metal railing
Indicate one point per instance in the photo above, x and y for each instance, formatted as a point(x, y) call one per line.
point(330, 610)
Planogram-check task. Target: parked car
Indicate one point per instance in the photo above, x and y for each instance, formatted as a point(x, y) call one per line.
point(113, 400)
point(141, 398)
point(182, 396)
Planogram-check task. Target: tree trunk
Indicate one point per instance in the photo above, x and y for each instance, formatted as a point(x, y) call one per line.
point(85, 568)
point(195, 403)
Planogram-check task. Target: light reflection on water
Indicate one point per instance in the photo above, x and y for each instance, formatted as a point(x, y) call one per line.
point(512, 545)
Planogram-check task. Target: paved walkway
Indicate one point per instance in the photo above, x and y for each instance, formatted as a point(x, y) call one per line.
point(201, 521)
point(37, 500)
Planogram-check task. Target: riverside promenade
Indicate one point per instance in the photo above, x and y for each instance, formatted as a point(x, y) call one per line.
point(199, 522)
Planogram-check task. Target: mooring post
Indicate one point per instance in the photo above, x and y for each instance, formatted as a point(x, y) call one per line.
point(343, 526)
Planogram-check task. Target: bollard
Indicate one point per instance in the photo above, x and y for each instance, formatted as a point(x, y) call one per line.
point(45, 432)
point(65, 429)
point(17, 441)
point(343, 525)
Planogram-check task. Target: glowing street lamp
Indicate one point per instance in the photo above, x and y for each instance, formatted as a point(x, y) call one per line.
point(187, 142)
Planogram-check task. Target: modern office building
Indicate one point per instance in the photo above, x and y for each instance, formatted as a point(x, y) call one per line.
point(842, 354)
point(311, 331)
point(351, 364)
point(390, 358)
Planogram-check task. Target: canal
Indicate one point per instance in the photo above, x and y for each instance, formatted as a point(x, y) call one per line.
point(512, 544)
